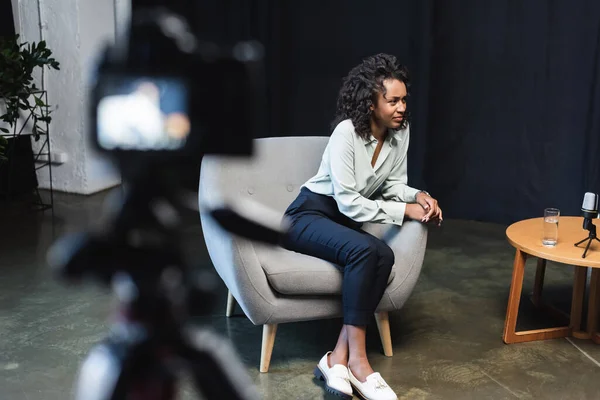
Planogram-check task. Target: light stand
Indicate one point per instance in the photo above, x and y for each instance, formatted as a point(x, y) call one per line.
point(589, 211)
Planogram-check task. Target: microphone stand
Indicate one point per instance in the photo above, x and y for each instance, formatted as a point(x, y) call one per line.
point(589, 226)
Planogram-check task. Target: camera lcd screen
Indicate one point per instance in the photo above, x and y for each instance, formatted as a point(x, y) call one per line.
point(143, 114)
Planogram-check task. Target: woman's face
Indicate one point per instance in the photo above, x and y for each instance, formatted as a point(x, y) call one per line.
point(389, 109)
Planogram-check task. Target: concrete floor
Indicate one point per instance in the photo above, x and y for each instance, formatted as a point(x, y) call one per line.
point(447, 339)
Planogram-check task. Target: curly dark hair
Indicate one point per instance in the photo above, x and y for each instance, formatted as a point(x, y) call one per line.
point(360, 87)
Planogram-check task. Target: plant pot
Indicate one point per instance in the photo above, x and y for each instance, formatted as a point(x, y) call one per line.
point(17, 173)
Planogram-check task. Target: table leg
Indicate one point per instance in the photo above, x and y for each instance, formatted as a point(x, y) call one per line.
point(540, 271)
point(514, 297)
point(510, 324)
point(536, 297)
point(594, 306)
point(579, 281)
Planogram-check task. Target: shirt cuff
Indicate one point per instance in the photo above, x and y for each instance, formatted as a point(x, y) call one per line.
point(413, 195)
point(395, 210)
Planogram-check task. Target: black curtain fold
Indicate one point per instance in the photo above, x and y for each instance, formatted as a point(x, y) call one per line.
point(591, 173)
point(229, 21)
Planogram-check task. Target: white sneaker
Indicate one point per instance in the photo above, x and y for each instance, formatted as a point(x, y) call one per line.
point(375, 387)
point(336, 378)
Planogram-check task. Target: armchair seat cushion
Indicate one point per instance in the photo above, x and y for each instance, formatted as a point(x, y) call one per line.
point(292, 273)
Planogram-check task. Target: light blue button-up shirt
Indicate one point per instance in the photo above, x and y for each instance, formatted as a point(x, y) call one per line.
point(365, 193)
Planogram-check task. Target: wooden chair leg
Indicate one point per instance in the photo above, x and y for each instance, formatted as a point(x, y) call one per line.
point(230, 304)
point(383, 325)
point(268, 340)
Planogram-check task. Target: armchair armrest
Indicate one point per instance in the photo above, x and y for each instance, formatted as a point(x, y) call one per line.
point(408, 242)
point(233, 257)
point(236, 262)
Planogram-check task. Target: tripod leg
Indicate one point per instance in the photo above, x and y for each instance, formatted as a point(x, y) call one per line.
point(111, 371)
point(587, 247)
point(215, 367)
point(100, 373)
point(581, 241)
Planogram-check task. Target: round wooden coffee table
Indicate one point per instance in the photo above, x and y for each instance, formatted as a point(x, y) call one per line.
point(526, 237)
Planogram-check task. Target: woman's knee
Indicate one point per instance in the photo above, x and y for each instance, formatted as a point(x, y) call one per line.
point(376, 252)
point(386, 254)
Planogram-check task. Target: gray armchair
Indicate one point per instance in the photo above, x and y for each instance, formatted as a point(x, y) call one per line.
point(273, 285)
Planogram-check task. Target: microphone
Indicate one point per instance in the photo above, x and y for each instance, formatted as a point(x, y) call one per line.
point(589, 210)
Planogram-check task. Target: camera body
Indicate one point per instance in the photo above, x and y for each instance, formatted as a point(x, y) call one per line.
point(162, 96)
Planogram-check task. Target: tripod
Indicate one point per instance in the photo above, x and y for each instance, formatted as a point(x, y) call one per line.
point(589, 225)
point(151, 340)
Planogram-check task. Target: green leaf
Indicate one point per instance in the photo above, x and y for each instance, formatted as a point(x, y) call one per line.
point(18, 61)
point(4, 130)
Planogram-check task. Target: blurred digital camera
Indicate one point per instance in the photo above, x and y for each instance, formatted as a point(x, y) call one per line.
point(162, 95)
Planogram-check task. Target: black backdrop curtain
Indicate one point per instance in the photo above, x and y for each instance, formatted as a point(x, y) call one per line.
point(505, 97)
point(514, 110)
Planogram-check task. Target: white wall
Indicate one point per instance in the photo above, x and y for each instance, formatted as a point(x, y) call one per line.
point(74, 30)
point(15, 8)
point(99, 19)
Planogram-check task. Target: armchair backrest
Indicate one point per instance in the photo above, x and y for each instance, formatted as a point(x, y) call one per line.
point(274, 174)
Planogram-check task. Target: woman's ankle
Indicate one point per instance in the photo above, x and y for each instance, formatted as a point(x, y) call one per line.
point(360, 367)
point(337, 357)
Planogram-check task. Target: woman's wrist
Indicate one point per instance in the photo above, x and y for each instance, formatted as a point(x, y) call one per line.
point(419, 192)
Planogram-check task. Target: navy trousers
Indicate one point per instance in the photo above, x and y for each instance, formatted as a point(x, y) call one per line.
point(320, 230)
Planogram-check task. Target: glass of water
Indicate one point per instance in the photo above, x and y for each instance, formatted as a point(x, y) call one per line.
point(550, 227)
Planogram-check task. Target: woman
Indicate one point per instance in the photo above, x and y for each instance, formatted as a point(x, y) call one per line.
point(362, 178)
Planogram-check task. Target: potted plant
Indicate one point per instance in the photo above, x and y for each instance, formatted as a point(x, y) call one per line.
point(20, 97)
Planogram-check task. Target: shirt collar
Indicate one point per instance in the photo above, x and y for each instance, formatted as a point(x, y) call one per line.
point(392, 138)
